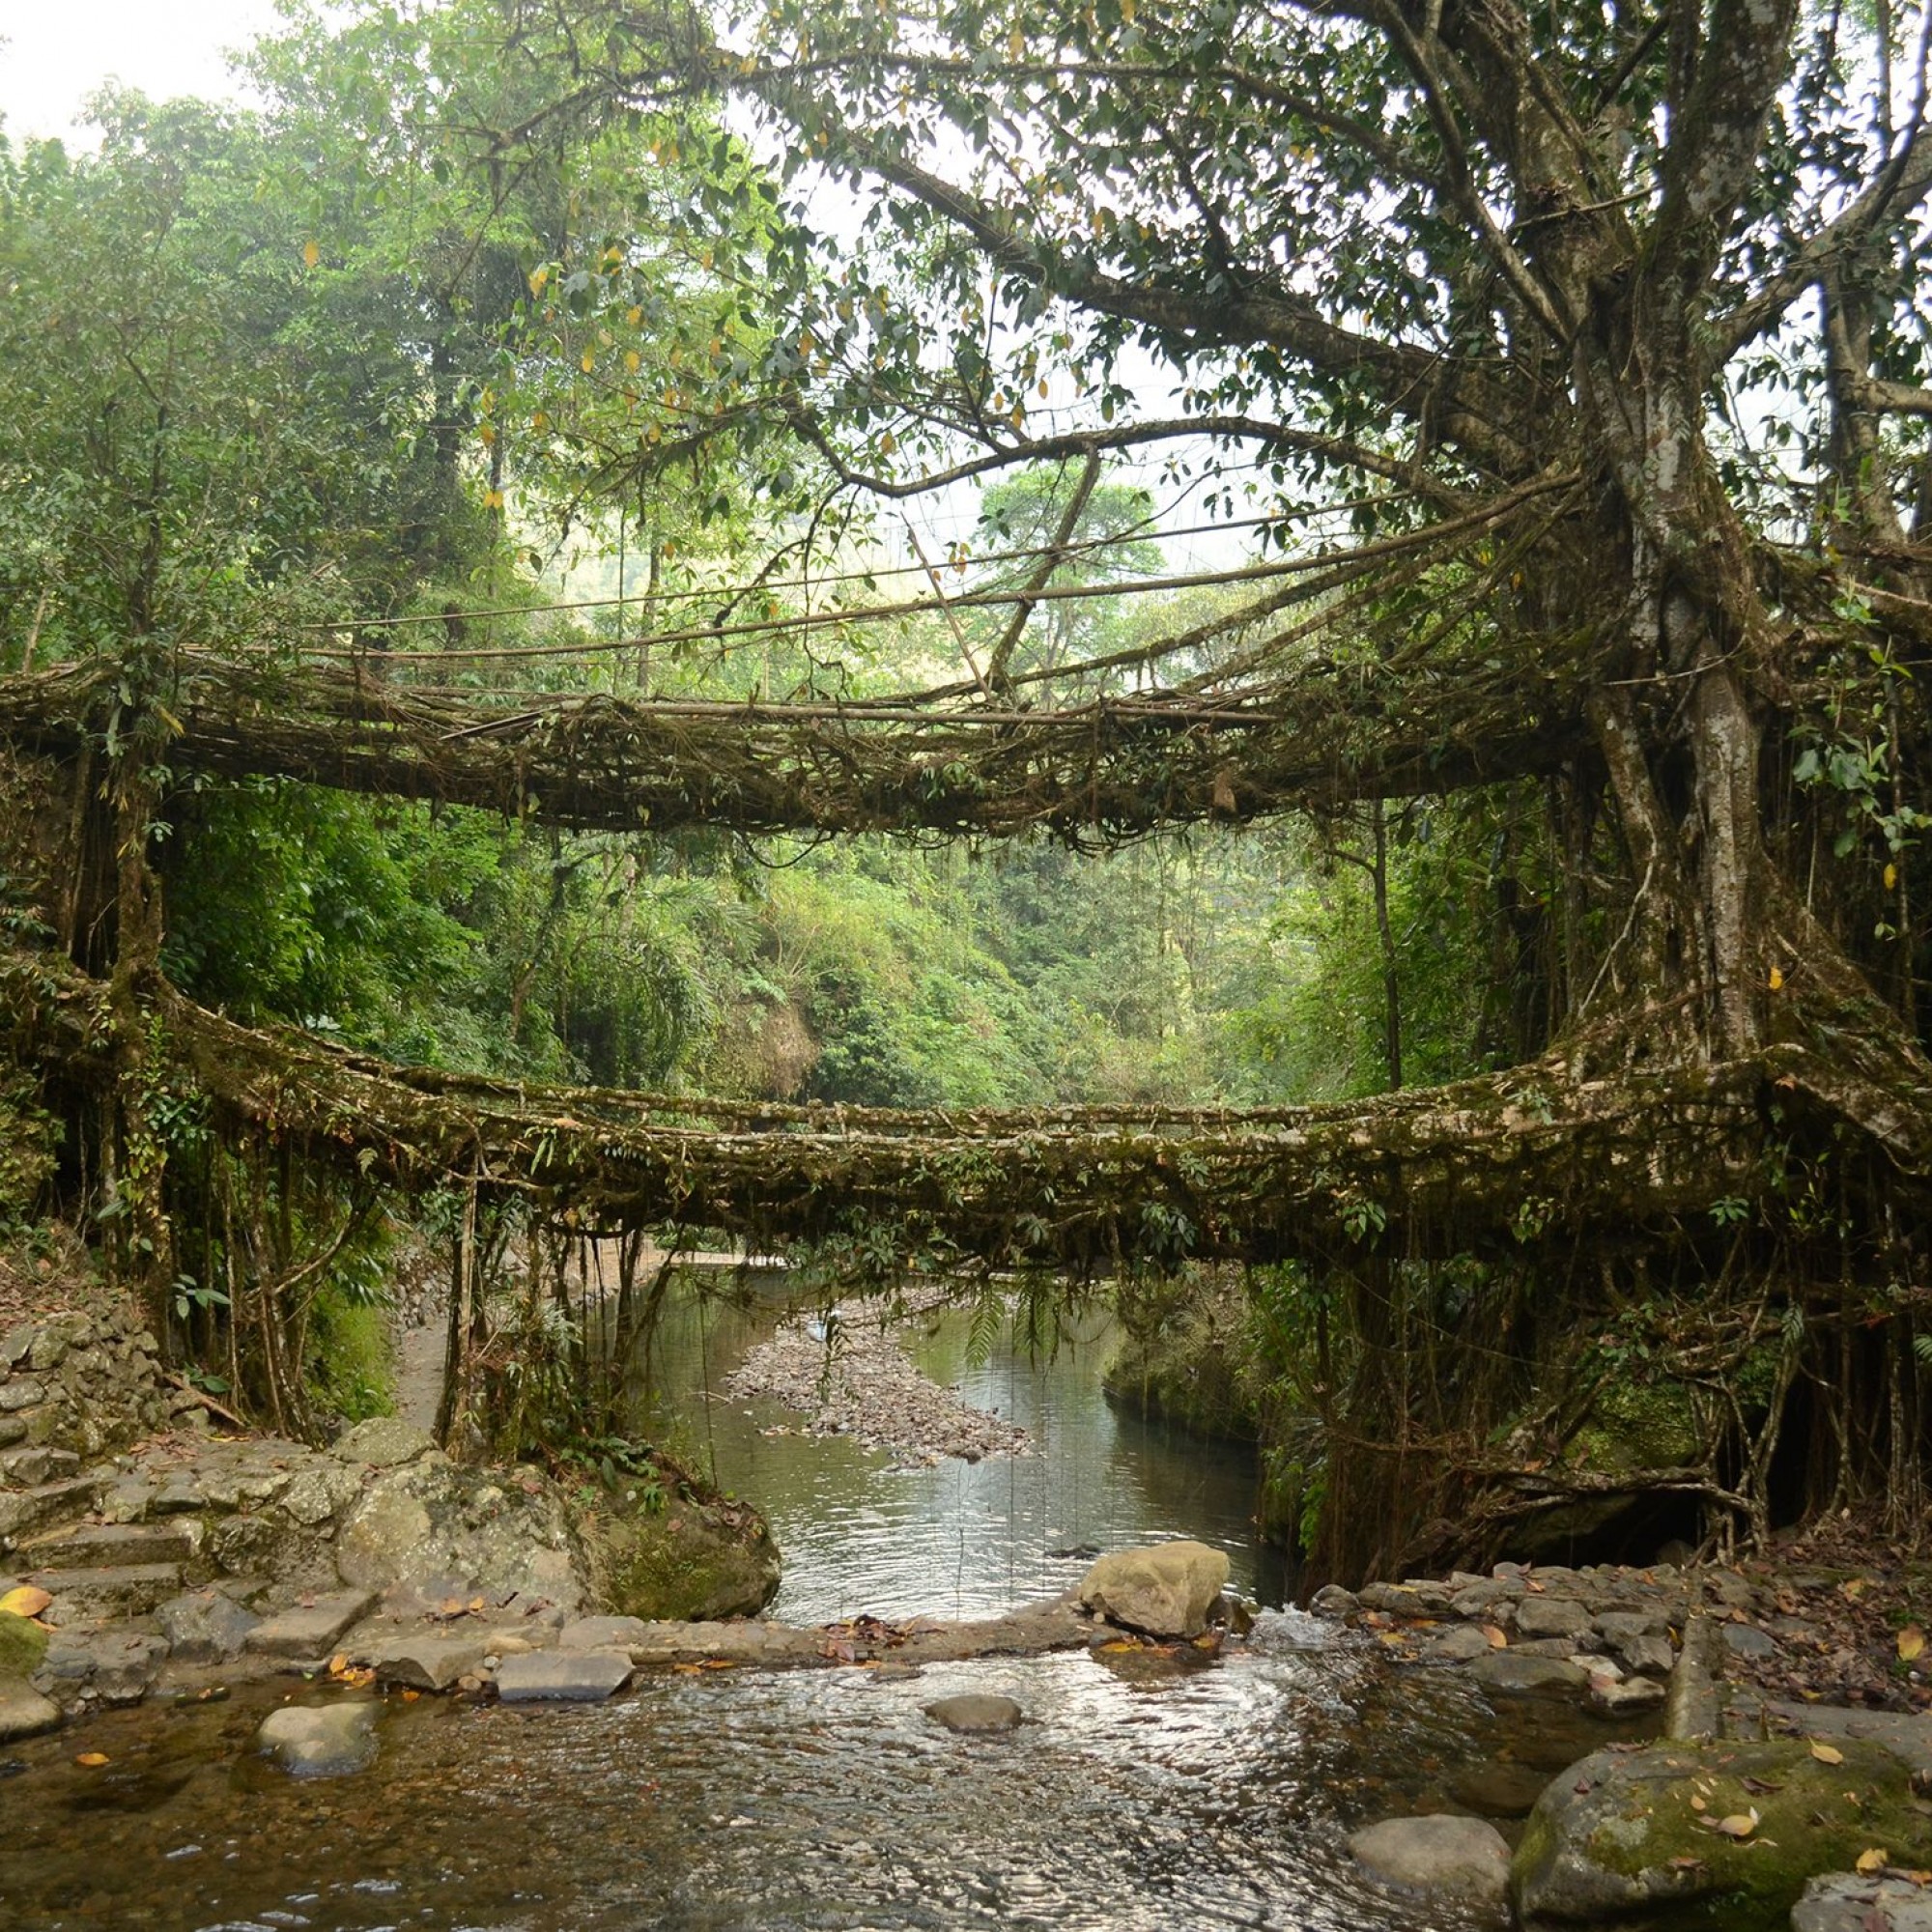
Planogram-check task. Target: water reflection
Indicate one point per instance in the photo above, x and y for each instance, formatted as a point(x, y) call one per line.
point(960, 1539)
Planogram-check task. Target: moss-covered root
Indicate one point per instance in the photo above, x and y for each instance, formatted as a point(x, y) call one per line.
point(1709, 1833)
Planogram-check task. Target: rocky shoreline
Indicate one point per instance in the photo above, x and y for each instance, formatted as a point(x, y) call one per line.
point(849, 1375)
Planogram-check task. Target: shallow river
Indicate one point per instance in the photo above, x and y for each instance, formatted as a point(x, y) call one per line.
point(818, 1799)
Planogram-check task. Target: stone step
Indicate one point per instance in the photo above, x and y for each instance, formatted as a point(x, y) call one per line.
point(108, 1590)
point(114, 1545)
point(30, 1464)
point(25, 1513)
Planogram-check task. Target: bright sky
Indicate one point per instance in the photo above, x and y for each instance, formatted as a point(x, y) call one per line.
point(54, 53)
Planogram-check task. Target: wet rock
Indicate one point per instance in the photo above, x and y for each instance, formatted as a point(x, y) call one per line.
point(1625, 1697)
point(603, 1634)
point(580, 1676)
point(23, 1711)
point(1334, 1603)
point(1504, 1789)
point(1691, 1705)
point(309, 1630)
point(1846, 1902)
point(1464, 1858)
point(1489, 1601)
point(976, 1713)
point(113, 1666)
point(205, 1627)
point(1462, 1644)
point(1511, 1674)
point(321, 1739)
point(1545, 1646)
point(1402, 1600)
point(1617, 1835)
point(1163, 1590)
point(1746, 1640)
point(422, 1660)
point(1550, 1616)
point(385, 1442)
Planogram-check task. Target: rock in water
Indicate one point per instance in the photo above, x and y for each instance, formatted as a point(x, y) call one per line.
point(976, 1713)
point(575, 1676)
point(1458, 1857)
point(1846, 1902)
point(23, 1711)
point(1618, 1835)
point(321, 1739)
point(1164, 1590)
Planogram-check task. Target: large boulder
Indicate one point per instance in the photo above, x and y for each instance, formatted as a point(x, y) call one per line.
point(433, 1527)
point(1709, 1833)
point(1164, 1590)
point(686, 1561)
point(1464, 1858)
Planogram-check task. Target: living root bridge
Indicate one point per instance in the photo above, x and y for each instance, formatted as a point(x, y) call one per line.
point(1453, 1170)
point(1117, 767)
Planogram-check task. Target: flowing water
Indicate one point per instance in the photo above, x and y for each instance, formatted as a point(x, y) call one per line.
point(1136, 1795)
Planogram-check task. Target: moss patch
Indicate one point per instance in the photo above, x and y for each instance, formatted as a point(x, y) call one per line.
point(22, 1645)
point(688, 1561)
point(1620, 1835)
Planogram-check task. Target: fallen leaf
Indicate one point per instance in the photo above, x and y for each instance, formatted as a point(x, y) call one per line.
point(1759, 1786)
point(1687, 1862)
point(1697, 1804)
point(338, 1664)
point(1826, 1753)
point(92, 1760)
point(1739, 1825)
point(411, 1696)
point(1498, 1640)
point(720, 1663)
point(1911, 1643)
point(1871, 1861)
point(25, 1602)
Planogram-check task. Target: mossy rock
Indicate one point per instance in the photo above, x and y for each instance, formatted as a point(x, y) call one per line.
point(1630, 1835)
point(23, 1643)
point(688, 1562)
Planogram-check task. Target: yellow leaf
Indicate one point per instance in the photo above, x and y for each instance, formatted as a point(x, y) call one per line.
point(1826, 1753)
point(1697, 1804)
point(888, 443)
point(539, 280)
point(633, 316)
point(1739, 1825)
point(25, 1602)
point(92, 1760)
point(1776, 978)
point(1911, 1643)
point(1016, 46)
point(587, 361)
point(1496, 1639)
point(1891, 878)
point(492, 499)
point(338, 1664)
point(633, 361)
point(311, 254)
point(1872, 1860)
